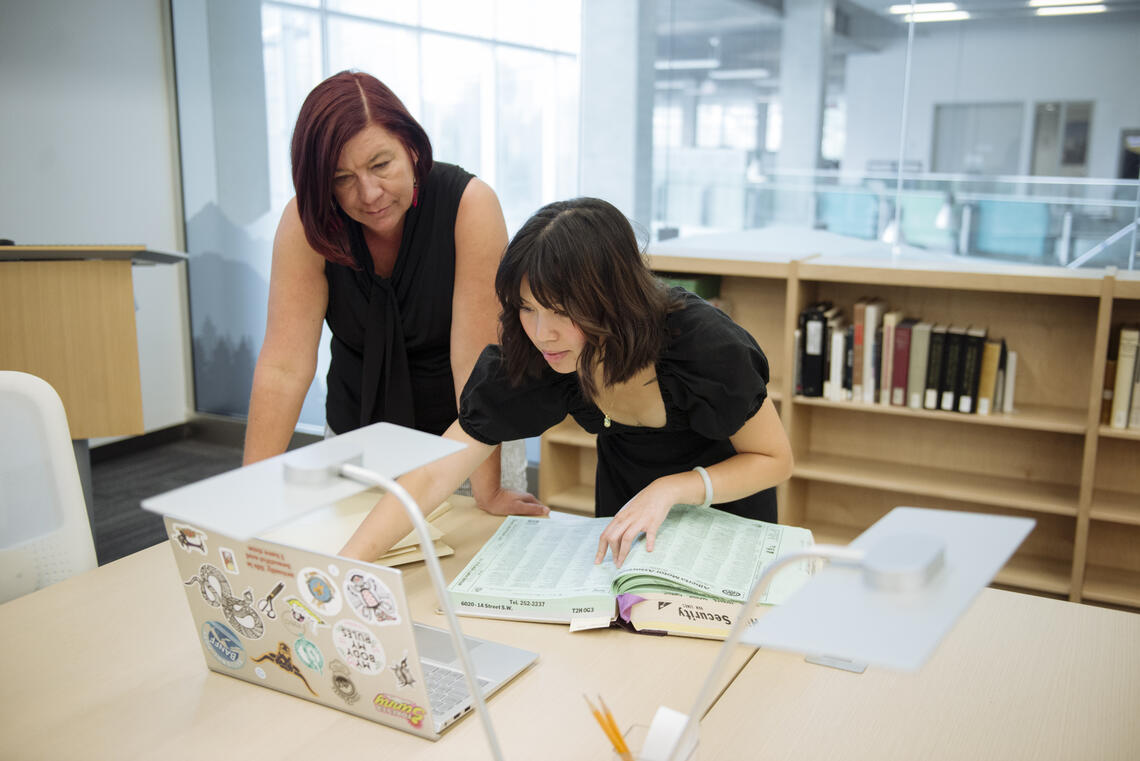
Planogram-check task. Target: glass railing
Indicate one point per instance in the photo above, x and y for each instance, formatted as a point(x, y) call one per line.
point(1052, 221)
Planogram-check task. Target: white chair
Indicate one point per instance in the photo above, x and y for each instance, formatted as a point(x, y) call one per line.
point(44, 533)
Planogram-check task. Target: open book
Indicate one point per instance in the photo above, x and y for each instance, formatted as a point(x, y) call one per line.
point(538, 569)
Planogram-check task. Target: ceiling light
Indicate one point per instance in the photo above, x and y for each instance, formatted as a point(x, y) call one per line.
point(940, 16)
point(1047, 3)
point(1069, 10)
point(922, 8)
point(686, 63)
point(740, 74)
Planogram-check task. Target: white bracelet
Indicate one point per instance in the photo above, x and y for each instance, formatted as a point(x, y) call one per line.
point(708, 485)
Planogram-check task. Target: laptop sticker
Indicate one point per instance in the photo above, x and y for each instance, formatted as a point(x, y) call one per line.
point(239, 611)
point(283, 659)
point(309, 654)
point(403, 672)
point(265, 604)
point(223, 644)
point(297, 614)
point(229, 561)
point(370, 599)
point(341, 684)
point(394, 706)
point(319, 591)
point(189, 538)
point(358, 647)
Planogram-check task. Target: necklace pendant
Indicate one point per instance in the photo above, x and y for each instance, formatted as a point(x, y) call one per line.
point(606, 420)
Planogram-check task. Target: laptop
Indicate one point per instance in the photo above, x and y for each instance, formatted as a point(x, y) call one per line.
point(315, 625)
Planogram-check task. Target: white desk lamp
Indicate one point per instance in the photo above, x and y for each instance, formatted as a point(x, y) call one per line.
point(253, 499)
point(887, 599)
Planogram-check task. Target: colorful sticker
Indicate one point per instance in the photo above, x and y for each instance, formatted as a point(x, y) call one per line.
point(239, 611)
point(358, 646)
point(341, 684)
point(297, 614)
point(260, 672)
point(229, 561)
point(309, 654)
point(403, 672)
point(265, 605)
point(283, 659)
point(394, 706)
point(319, 591)
point(189, 538)
point(370, 599)
point(223, 644)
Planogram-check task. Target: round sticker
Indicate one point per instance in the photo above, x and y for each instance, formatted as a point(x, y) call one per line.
point(260, 672)
point(370, 599)
point(358, 647)
point(319, 591)
point(223, 644)
point(309, 654)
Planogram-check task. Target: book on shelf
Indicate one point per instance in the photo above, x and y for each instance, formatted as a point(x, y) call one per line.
point(542, 569)
point(1009, 381)
point(901, 366)
point(813, 324)
point(967, 392)
point(872, 319)
point(1125, 370)
point(1106, 391)
point(849, 364)
point(797, 362)
point(987, 375)
point(876, 364)
point(1134, 405)
point(916, 372)
point(891, 321)
point(952, 368)
point(935, 367)
point(837, 333)
point(858, 322)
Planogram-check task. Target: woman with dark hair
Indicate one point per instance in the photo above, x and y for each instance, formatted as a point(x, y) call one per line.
point(675, 391)
point(395, 251)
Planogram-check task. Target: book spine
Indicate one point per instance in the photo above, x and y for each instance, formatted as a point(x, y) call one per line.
point(971, 370)
point(901, 363)
point(814, 327)
point(1010, 381)
point(797, 358)
point(887, 357)
point(857, 350)
point(836, 364)
point(987, 376)
point(919, 356)
point(849, 364)
point(870, 330)
point(1125, 369)
point(1106, 392)
point(934, 368)
point(952, 372)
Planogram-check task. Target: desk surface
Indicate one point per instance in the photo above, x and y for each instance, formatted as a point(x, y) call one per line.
point(1019, 677)
point(108, 665)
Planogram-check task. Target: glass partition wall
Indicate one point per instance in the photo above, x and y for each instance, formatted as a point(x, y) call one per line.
point(996, 129)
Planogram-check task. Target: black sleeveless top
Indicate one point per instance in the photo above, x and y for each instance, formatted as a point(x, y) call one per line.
point(713, 378)
point(391, 344)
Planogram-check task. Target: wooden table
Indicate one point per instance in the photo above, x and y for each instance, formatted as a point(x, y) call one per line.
point(1019, 677)
point(108, 665)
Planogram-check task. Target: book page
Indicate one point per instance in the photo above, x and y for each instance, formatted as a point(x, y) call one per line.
point(701, 550)
point(539, 558)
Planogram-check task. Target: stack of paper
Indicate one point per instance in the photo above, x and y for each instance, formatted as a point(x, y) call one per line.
point(326, 530)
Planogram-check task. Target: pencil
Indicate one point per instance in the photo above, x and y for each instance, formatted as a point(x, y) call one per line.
point(622, 748)
point(612, 734)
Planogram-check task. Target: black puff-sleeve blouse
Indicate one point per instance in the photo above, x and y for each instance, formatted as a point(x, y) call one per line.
point(713, 378)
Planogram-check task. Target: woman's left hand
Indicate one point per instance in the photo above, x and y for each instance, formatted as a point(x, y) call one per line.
point(642, 514)
point(510, 502)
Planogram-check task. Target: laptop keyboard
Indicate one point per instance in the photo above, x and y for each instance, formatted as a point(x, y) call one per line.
point(447, 690)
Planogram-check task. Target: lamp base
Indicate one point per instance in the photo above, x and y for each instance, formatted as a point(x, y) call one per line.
point(665, 734)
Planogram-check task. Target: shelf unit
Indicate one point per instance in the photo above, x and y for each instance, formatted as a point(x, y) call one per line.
point(1050, 459)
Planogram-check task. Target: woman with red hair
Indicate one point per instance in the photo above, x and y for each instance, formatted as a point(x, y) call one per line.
point(397, 253)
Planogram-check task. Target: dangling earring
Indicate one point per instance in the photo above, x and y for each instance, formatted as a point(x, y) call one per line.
point(415, 193)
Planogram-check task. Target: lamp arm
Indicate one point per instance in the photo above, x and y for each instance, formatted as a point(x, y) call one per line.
point(834, 553)
point(362, 475)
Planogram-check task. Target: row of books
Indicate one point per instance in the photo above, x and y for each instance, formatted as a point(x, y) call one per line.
point(1122, 381)
point(880, 356)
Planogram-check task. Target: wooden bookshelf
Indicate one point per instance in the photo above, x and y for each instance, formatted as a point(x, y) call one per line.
point(1050, 459)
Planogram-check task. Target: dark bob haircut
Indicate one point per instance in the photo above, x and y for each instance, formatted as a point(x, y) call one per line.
point(581, 257)
point(332, 114)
